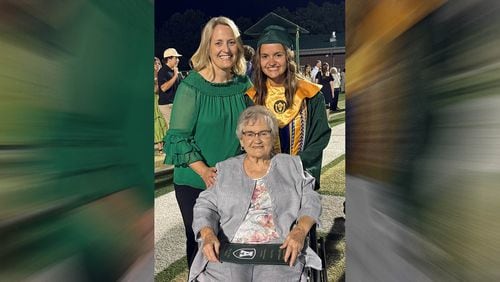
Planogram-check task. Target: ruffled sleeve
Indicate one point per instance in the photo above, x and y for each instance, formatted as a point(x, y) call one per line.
point(180, 147)
point(181, 151)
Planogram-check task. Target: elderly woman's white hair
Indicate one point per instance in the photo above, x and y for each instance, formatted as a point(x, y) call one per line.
point(254, 113)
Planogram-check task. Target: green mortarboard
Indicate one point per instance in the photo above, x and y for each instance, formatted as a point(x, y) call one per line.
point(275, 34)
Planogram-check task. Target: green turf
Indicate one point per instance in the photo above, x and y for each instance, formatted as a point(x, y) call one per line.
point(336, 119)
point(177, 271)
point(333, 178)
point(164, 190)
point(339, 117)
point(335, 259)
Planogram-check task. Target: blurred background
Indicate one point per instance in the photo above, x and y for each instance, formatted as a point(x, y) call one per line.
point(423, 128)
point(76, 177)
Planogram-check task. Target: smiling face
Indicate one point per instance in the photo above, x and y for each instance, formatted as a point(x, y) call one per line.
point(223, 48)
point(273, 62)
point(257, 139)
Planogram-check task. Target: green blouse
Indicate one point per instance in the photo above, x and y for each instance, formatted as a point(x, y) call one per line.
point(203, 124)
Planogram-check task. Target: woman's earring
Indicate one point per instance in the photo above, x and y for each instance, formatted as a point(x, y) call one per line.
point(242, 149)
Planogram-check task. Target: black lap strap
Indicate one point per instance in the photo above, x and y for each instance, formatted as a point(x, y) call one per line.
point(252, 253)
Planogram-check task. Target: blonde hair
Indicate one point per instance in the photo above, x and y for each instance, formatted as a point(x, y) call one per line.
point(201, 58)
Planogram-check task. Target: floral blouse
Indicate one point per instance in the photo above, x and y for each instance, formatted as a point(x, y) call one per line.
point(258, 226)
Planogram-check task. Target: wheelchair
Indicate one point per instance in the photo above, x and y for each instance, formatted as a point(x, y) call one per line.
point(318, 246)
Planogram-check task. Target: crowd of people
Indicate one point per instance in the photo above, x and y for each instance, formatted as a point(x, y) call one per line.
point(242, 127)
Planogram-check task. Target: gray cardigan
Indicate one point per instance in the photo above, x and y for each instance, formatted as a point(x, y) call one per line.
point(224, 206)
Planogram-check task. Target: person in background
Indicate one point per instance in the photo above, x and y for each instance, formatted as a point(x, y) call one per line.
point(160, 126)
point(249, 52)
point(342, 80)
point(325, 78)
point(316, 69)
point(336, 89)
point(205, 112)
point(168, 81)
point(307, 73)
point(256, 198)
point(297, 103)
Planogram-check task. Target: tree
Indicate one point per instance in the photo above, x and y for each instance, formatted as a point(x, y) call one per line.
point(317, 19)
point(243, 23)
point(182, 32)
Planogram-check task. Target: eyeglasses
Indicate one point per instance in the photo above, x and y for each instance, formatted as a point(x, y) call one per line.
point(262, 134)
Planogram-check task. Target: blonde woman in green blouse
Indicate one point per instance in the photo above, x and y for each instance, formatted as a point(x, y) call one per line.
point(204, 117)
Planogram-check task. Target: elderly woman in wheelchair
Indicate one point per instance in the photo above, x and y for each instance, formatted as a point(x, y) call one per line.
point(252, 223)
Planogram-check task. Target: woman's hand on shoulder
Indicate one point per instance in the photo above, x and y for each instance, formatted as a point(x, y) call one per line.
point(211, 244)
point(208, 175)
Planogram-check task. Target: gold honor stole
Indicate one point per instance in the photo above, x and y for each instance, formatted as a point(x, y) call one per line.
point(295, 116)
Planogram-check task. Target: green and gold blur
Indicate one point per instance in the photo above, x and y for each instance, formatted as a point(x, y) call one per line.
point(76, 175)
point(423, 128)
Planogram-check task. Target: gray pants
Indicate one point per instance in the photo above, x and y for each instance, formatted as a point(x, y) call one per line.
point(166, 110)
point(248, 272)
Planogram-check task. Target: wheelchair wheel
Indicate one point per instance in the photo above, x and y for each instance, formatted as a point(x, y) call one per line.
point(322, 255)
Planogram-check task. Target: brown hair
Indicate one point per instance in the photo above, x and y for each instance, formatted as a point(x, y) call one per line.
point(290, 83)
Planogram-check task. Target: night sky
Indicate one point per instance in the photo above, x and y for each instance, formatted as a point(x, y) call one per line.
point(253, 9)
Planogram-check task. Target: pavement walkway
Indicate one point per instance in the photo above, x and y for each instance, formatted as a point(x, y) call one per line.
point(169, 230)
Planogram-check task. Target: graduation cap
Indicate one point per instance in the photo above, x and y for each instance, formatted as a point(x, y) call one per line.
point(275, 34)
point(273, 28)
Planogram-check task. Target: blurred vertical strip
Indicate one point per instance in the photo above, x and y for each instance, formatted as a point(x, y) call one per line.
point(76, 140)
point(423, 135)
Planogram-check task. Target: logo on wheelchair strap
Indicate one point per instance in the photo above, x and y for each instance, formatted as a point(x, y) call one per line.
point(245, 253)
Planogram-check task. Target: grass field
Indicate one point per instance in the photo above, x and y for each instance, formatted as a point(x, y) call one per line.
point(333, 183)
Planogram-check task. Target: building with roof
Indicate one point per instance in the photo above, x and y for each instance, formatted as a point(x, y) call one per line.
point(315, 47)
